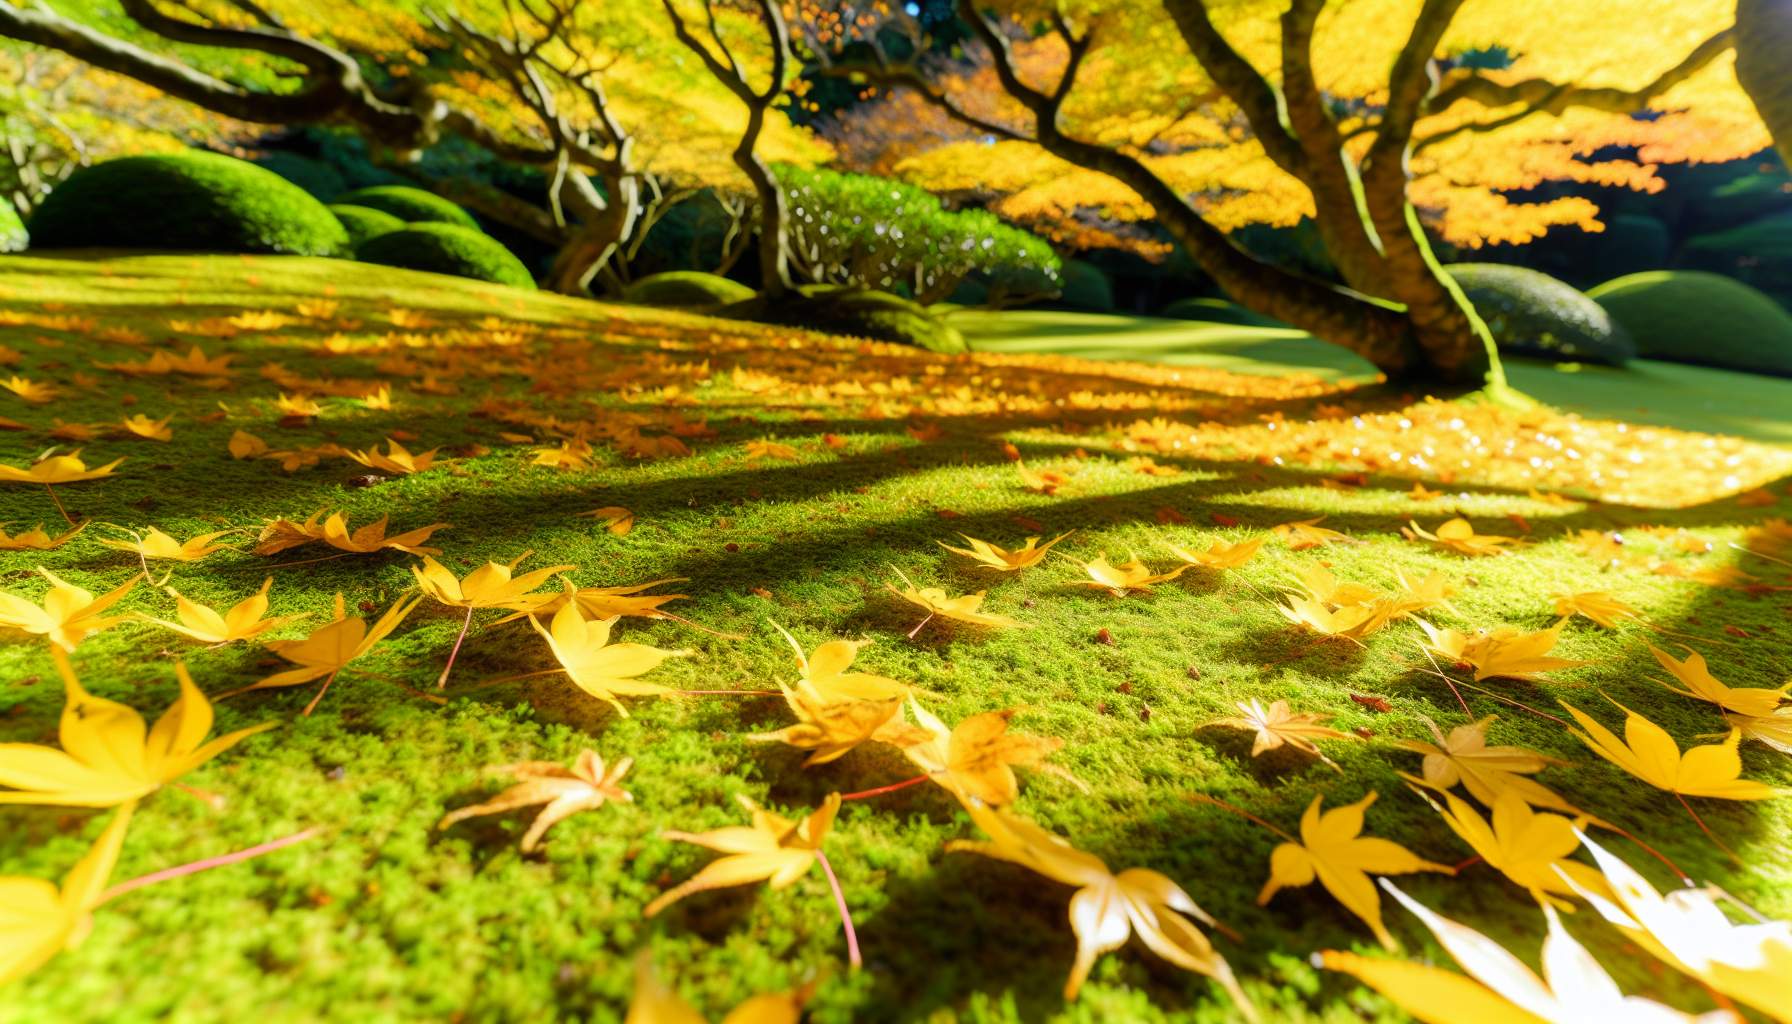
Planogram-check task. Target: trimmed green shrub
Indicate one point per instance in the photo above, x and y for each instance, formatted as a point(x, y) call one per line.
point(13, 236)
point(411, 205)
point(1688, 316)
point(1533, 314)
point(876, 233)
point(1757, 254)
point(448, 249)
point(1217, 311)
point(686, 288)
point(193, 200)
point(860, 312)
point(364, 222)
point(312, 175)
point(1086, 287)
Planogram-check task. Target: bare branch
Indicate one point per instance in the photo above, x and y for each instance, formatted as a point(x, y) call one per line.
point(1260, 102)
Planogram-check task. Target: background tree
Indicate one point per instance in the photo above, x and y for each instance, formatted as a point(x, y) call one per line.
point(1363, 116)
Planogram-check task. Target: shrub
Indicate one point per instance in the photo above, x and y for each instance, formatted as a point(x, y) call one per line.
point(364, 222)
point(1757, 254)
point(1689, 316)
point(1086, 287)
point(13, 236)
point(1217, 311)
point(310, 174)
point(1533, 314)
point(411, 205)
point(875, 233)
point(448, 249)
point(191, 200)
point(842, 309)
point(686, 288)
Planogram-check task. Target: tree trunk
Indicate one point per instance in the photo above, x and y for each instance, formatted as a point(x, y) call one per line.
point(1764, 64)
point(774, 213)
point(598, 238)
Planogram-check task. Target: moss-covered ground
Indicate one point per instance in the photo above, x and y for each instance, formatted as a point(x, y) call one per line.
point(384, 918)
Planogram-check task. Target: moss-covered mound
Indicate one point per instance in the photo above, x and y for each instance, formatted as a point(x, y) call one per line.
point(1085, 287)
point(839, 309)
point(1758, 253)
point(309, 173)
point(411, 205)
point(193, 200)
point(365, 223)
point(448, 249)
point(1689, 316)
point(686, 288)
point(1533, 314)
point(1217, 311)
point(13, 235)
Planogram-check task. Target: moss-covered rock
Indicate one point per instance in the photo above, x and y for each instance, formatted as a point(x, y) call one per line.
point(193, 200)
point(1533, 314)
point(13, 236)
point(839, 309)
point(448, 249)
point(411, 205)
point(686, 288)
point(1217, 311)
point(364, 223)
point(1689, 316)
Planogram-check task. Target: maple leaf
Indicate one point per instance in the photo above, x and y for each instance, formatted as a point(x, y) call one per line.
point(612, 602)
point(1107, 909)
point(989, 556)
point(825, 670)
point(489, 586)
point(1318, 583)
point(1046, 481)
point(976, 758)
point(1221, 555)
point(586, 786)
point(139, 425)
point(1753, 702)
point(1409, 598)
point(242, 622)
point(1486, 772)
point(1420, 492)
point(766, 449)
point(1333, 850)
point(282, 534)
point(396, 459)
point(36, 538)
point(1126, 578)
point(1501, 653)
point(156, 544)
point(963, 608)
point(1529, 848)
point(655, 1003)
point(830, 729)
point(1459, 535)
point(108, 756)
point(1277, 726)
point(296, 406)
point(571, 455)
point(1597, 605)
point(41, 920)
point(1650, 754)
point(68, 615)
point(616, 519)
point(331, 647)
point(57, 469)
point(600, 668)
point(1774, 729)
point(1351, 621)
point(1307, 533)
point(30, 390)
point(1689, 932)
point(1499, 988)
point(773, 849)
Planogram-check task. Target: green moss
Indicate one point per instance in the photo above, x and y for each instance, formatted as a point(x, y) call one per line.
point(384, 918)
point(1696, 317)
point(447, 249)
point(881, 316)
point(364, 223)
point(202, 201)
point(411, 205)
point(314, 176)
point(13, 236)
point(1217, 311)
point(686, 288)
point(1533, 314)
point(1758, 254)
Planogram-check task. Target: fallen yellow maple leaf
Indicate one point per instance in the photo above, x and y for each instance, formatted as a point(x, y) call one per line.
point(825, 670)
point(242, 622)
point(41, 920)
point(1596, 605)
point(1500, 653)
point(139, 425)
point(766, 449)
point(36, 538)
point(1047, 481)
point(1126, 578)
point(1529, 848)
point(1277, 726)
point(989, 556)
point(282, 534)
point(1459, 535)
point(655, 1003)
point(108, 756)
point(935, 601)
point(1650, 754)
point(57, 469)
point(396, 459)
point(586, 786)
point(1221, 555)
point(68, 615)
point(773, 849)
point(1486, 772)
point(1753, 702)
point(976, 758)
point(600, 668)
point(1332, 849)
point(331, 647)
point(1307, 533)
point(616, 519)
point(830, 729)
point(1775, 729)
point(156, 544)
point(1351, 621)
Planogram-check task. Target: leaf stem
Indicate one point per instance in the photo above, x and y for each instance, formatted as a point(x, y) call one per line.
point(466, 624)
point(205, 865)
point(1708, 833)
point(866, 794)
point(52, 492)
point(852, 935)
point(731, 693)
point(923, 625)
point(320, 695)
point(1685, 879)
point(1241, 812)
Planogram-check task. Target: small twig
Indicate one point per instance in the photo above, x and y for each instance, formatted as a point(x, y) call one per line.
point(320, 695)
point(205, 865)
point(466, 624)
point(52, 492)
point(1469, 863)
point(866, 794)
point(852, 935)
point(1241, 812)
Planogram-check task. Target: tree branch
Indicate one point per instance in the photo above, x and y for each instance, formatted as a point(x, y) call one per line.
point(1259, 101)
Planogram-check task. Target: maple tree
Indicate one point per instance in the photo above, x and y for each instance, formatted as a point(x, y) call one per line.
point(1367, 117)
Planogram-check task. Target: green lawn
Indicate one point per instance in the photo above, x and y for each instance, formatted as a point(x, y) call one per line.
point(383, 918)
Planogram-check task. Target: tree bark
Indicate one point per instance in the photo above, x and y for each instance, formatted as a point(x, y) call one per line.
point(1764, 64)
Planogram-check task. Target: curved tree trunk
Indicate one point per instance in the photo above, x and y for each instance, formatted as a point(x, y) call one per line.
point(1764, 64)
point(598, 237)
